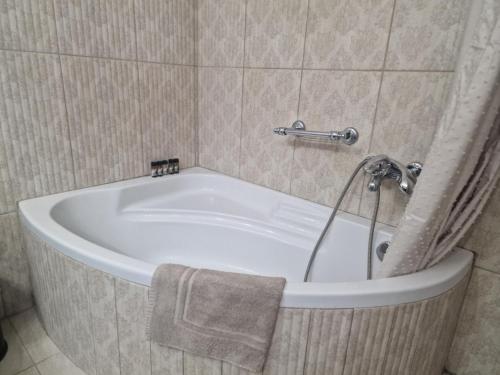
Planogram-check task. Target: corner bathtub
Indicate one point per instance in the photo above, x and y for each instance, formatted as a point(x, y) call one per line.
point(92, 253)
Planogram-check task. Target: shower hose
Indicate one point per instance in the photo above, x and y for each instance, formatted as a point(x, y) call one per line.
point(332, 217)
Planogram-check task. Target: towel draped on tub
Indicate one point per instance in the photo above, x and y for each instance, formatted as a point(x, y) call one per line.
point(222, 315)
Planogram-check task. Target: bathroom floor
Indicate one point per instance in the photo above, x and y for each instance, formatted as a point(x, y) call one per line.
point(31, 351)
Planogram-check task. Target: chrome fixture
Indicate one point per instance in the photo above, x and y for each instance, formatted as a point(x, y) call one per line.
point(379, 167)
point(164, 167)
point(348, 136)
point(381, 250)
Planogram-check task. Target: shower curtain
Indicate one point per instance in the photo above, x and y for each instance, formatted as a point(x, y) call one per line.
point(463, 164)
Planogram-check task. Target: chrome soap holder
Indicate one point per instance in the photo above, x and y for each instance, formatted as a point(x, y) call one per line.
point(348, 136)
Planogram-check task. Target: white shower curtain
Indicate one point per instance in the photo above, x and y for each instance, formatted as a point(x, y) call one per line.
point(463, 164)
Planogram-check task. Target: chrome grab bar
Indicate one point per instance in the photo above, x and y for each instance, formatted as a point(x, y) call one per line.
point(348, 136)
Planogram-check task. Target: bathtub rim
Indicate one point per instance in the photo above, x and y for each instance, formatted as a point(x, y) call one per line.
point(35, 216)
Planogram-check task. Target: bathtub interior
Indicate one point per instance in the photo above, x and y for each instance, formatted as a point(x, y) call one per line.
point(203, 219)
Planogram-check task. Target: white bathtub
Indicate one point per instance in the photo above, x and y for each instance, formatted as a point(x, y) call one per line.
point(203, 219)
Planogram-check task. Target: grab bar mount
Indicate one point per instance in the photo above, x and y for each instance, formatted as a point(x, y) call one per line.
point(348, 136)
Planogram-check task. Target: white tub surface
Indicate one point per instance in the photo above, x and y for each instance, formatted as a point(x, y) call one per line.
point(204, 219)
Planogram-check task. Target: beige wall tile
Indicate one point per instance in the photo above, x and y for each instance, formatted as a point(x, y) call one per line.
point(275, 31)
point(131, 303)
point(28, 25)
point(30, 371)
point(35, 148)
point(33, 336)
point(219, 113)
point(167, 102)
point(103, 109)
point(347, 34)
point(102, 28)
point(476, 346)
point(408, 114)
point(426, 34)
point(221, 32)
point(484, 237)
point(14, 270)
point(102, 302)
point(165, 30)
point(332, 101)
point(270, 99)
point(327, 342)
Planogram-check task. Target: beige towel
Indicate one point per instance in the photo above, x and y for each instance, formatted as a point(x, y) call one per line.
point(222, 315)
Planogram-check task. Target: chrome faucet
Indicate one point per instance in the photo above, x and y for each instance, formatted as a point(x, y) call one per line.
point(381, 167)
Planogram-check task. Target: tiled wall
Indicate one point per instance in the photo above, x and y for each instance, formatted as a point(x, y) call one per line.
point(90, 92)
point(383, 66)
point(476, 347)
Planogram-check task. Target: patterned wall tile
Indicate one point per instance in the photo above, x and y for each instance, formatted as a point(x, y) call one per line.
point(165, 30)
point(333, 100)
point(102, 28)
point(476, 346)
point(14, 270)
point(484, 237)
point(28, 25)
point(166, 361)
point(221, 31)
point(101, 288)
point(35, 148)
point(103, 110)
point(219, 113)
point(275, 32)
point(426, 34)
point(347, 34)
point(167, 100)
point(288, 347)
point(270, 99)
point(327, 344)
point(131, 304)
point(408, 114)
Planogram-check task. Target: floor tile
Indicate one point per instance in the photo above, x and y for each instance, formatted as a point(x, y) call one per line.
point(58, 365)
point(33, 336)
point(30, 371)
point(17, 358)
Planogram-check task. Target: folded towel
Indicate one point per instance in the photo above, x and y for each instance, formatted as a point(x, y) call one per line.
point(222, 315)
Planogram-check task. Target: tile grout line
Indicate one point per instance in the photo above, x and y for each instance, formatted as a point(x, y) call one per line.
point(242, 89)
point(377, 102)
point(95, 57)
point(66, 113)
point(196, 114)
point(300, 97)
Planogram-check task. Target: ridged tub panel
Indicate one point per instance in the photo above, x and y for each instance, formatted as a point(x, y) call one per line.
point(368, 340)
point(456, 298)
point(288, 348)
point(196, 365)
point(64, 302)
point(98, 321)
point(403, 338)
point(229, 369)
point(327, 344)
point(135, 349)
point(166, 361)
point(101, 289)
